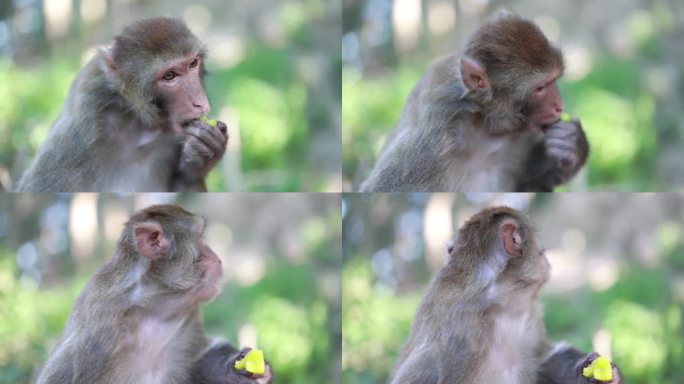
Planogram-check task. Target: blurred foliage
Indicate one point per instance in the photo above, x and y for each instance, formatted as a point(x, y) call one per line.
point(271, 102)
point(282, 93)
point(31, 320)
point(292, 307)
point(623, 101)
point(641, 310)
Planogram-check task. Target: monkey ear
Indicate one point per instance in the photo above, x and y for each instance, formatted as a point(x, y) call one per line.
point(108, 65)
point(450, 245)
point(473, 74)
point(151, 240)
point(512, 241)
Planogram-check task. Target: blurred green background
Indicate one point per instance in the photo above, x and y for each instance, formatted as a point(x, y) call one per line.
point(616, 286)
point(624, 78)
point(281, 255)
point(274, 79)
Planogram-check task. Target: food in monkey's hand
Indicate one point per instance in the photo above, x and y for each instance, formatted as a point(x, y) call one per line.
point(253, 362)
point(565, 117)
point(599, 369)
point(212, 122)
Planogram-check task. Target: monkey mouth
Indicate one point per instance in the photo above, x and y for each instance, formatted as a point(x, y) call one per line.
point(188, 122)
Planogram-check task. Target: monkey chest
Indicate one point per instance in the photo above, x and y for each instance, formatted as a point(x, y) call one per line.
point(510, 357)
point(158, 341)
point(490, 166)
point(142, 167)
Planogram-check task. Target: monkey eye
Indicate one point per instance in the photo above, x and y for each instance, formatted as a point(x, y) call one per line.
point(194, 63)
point(539, 89)
point(170, 75)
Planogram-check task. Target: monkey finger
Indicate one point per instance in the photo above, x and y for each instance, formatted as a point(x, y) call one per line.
point(222, 127)
point(560, 146)
point(562, 133)
point(206, 138)
point(215, 135)
point(243, 353)
point(196, 146)
point(218, 136)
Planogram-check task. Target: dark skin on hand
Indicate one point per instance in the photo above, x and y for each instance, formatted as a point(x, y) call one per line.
point(132, 120)
point(486, 118)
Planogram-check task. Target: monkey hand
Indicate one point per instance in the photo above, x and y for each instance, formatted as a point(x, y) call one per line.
point(566, 143)
point(236, 376)
point(585, 361)
point(202, 148)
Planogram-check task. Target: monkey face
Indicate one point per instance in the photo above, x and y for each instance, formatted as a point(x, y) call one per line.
point(180, 87)
point(210, 272)
point(545, 104)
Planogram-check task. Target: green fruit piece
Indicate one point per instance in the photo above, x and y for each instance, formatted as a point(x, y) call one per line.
point(602, 369)
point(253, 362)
point(240, 364)
point(599, 369)
point(565, 116)
point(212, 122)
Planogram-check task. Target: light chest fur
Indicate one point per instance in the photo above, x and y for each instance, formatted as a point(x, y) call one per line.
point(140, 161)
point(494, 165)
point(511, 359)
point(162, 363)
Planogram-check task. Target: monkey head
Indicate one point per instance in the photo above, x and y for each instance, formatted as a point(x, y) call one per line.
point(167, 242)
point(157, 65)
point(510, 70)
point(498, 246)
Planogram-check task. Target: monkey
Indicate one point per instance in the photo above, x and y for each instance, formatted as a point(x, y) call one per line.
point(131, 121)
point(138, 318)
point(485, 119)
point(480, 320)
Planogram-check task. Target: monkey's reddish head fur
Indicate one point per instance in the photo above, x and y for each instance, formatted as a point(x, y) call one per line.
point(480, 251)
point(516, 58)
point(179, 266)
point(140, 52)
point(510, 46)
point(160, 38)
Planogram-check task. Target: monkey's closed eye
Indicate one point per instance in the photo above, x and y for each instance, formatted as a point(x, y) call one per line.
point(170, 75)
point(194, 63)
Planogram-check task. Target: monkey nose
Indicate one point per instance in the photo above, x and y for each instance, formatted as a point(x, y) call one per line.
point(203, 109)
point(202, 105)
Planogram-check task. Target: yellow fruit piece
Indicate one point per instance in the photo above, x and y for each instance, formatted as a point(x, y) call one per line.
point(600, 369)
point(212, 122)
point(240, 364)
point(253, 362)
point(565, 116)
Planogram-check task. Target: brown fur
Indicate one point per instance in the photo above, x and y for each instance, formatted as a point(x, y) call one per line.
point(138, 318)
point(480, 321)
point(119, 131)
point(452, 138)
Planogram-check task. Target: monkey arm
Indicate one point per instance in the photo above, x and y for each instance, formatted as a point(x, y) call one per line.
point(564, 366)
point(216, 367)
